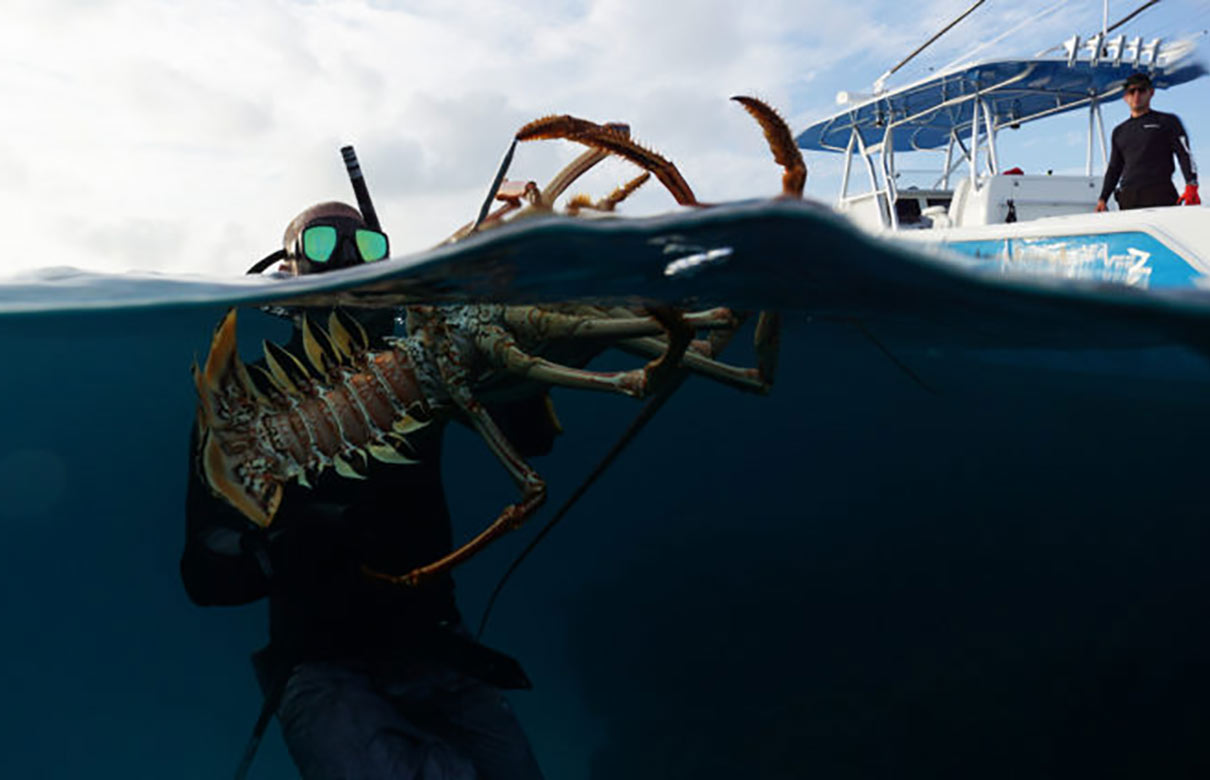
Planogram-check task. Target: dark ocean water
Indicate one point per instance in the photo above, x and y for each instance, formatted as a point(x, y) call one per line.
point(985, 557)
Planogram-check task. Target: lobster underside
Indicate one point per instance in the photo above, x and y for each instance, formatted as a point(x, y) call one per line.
point(290, 419)
point(343, 402)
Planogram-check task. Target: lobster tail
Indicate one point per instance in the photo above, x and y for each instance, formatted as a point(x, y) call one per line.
point(338, 407)
point(229, 458)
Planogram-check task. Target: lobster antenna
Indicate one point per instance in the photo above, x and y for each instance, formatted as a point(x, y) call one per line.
point(491, 194)
point(364, 204)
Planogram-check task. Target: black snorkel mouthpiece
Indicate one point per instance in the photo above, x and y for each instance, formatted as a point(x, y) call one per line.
point(364, 204)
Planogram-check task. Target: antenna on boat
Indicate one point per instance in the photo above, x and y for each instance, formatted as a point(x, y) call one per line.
point(881, 82)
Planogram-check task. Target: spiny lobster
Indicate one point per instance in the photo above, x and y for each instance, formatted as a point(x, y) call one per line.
point(263, 427)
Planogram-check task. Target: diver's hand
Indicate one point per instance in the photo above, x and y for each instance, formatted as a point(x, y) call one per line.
point(1102, 205)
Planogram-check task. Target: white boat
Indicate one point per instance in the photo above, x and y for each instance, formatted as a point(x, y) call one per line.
point(1017, 222)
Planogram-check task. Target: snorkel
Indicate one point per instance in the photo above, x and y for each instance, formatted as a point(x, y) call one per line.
point(364, 204)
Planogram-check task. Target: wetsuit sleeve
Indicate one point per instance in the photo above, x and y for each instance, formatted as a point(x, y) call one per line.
point(225, 561)
point(1184, 155)
point(1114, 171)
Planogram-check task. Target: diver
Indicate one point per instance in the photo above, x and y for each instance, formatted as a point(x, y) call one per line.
point(1143, 148)
point(368, 679)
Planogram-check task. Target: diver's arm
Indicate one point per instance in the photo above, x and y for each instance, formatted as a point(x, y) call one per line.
point(226, 560)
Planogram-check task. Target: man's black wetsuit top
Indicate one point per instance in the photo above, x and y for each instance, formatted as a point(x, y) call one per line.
point(309, 562)
point(1143, 147)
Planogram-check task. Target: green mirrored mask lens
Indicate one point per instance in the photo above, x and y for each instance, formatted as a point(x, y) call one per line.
point(371, 244)
point(319, 242)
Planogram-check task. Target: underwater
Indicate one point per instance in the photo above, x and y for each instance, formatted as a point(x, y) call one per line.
point(963, 536)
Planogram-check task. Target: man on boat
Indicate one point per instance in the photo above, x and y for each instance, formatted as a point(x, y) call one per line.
point(1143, 147)
point(368, 679)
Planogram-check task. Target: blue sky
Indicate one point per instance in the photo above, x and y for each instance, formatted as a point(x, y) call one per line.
point(182, 136)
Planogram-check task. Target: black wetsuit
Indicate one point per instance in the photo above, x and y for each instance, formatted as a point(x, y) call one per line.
point(343, 639)
point(1143, 148)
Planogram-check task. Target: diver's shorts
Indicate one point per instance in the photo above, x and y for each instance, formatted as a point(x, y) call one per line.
point(348, 720)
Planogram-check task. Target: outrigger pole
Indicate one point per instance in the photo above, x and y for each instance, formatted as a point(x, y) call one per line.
point(882, 79)
point(1128, 17)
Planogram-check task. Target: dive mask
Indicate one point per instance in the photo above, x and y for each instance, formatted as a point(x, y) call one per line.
point(340, 245)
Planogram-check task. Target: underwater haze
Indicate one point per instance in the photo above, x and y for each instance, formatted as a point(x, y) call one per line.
point(965, 535)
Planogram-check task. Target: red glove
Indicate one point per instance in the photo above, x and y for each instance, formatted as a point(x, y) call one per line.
point(1190, 197)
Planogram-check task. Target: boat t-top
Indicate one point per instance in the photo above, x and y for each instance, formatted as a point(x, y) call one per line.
point(1032, 222)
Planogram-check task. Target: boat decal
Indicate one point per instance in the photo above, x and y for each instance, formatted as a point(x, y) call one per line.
point(1133, 258)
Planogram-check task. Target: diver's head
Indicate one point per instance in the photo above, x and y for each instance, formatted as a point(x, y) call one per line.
point(328, 236)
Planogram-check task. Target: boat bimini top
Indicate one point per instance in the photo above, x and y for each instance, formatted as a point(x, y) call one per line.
point(963, 108)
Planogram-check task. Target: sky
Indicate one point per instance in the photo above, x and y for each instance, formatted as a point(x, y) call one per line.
point(181, 137)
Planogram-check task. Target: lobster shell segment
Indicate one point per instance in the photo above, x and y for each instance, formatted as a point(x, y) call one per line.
point(292, 418)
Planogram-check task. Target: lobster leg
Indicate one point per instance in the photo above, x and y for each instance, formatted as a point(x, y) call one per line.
point(533, 494)
point(541, 324)
point(700, 358)
point(501, 348)
point(496, 342)
point(747, 379)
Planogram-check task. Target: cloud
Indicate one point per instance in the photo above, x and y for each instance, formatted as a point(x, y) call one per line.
point(134, 243)
point(183, 136)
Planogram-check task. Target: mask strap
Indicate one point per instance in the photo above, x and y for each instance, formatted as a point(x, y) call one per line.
point(266, 262)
